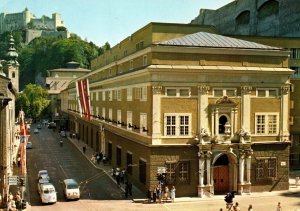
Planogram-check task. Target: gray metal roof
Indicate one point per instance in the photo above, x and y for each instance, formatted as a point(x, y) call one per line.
point(205, 39)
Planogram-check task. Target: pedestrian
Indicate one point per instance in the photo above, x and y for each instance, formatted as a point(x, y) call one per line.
point(19, 161)
point(84, 148)
point(173, 190)
point(121, 177)
point(250, 207)
point(101, 156)
point(129, 185)
point(279, 208)
point(154, 195)
point(159, 193)
point(18, 201)
point(126, 190)
point(236, 207)
point(98, 158)
point(166, 193)
point(149, 195)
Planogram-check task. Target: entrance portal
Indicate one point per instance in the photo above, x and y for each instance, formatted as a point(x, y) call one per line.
point(221, 175)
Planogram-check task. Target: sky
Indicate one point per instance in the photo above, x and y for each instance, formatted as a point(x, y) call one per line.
point(112, 21)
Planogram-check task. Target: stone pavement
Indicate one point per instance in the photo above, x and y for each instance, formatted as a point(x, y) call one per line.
point(107, 168)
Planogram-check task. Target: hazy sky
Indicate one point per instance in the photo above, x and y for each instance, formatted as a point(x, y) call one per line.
point(111, 21)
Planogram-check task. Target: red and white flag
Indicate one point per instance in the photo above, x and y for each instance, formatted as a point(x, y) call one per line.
point(83, 93)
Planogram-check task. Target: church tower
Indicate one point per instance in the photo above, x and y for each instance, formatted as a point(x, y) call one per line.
point(12, 65)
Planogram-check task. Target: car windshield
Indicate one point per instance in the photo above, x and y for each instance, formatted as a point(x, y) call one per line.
point(72, 186)
point(49, 190)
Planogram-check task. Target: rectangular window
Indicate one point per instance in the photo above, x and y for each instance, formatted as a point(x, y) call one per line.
point(143, 123)
point(103, 95)
point(266, 123)
point(137, 93)
point(177, 124)
point(129, 163)
point(119, 156)
point(110, 95)
point(183, 172)
point(145, 62)
point(295, 53)
point(129, 120)
point(129, 94)
point(170, 172)
point(142, 171)
point(131, 65)
point(97, 96)
point(171, 125)
point(119, 94)
point(178, 92)
point(119, 117)
point(110, 115)
point(144, 93)
point(103, 113)
point(224, 92)
point(184, 125)
point(267, 92)
point(266, 168)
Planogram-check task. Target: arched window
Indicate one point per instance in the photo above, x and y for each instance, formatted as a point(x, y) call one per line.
point(222, 121)
point(267, 9)
point(243, 18)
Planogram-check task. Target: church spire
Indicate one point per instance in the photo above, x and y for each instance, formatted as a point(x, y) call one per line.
point(12, 54)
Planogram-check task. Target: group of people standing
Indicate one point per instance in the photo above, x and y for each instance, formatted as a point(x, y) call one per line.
point(159, 194)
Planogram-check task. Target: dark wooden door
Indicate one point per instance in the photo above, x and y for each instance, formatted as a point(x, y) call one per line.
point(221, 179)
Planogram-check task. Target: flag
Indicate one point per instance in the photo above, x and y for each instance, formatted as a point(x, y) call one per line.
point(86, 98)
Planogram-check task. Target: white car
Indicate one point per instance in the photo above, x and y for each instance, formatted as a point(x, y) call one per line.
point(71, 189)
point(36, 130)
point(43, 174)
point(47, 193)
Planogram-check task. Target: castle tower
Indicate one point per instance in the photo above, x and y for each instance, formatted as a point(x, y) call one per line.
point(12, 69)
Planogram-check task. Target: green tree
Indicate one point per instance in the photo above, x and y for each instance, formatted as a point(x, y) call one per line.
point(33, 100)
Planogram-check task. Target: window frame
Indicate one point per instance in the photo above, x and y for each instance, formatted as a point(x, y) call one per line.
point(178, 91)
point(224, 92)
point(267, 92)
point(266, 168)
point(266, 125)
point(177, 125)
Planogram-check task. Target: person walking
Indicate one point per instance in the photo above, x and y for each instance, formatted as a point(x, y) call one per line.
point(279, 208)
point(159, 193)
point(129, 185)
point(236, 207)
point(173, 190)
point(250, 207)
point(154, 195)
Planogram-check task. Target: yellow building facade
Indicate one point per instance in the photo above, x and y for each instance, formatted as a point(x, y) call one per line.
point(208, 111)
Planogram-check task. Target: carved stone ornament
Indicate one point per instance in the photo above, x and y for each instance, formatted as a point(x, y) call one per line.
point(156, 89)
point(246, 89)
point(204, 89)
point(204, 132)
point(285, 89)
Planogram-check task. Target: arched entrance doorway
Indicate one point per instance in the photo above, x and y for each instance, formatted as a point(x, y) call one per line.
point(221, 175)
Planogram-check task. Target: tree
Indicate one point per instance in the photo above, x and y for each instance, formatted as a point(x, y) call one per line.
point(33, 101)
point(61, 28)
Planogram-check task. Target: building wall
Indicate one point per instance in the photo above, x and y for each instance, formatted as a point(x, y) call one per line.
point(242, 71)
point(259, 18)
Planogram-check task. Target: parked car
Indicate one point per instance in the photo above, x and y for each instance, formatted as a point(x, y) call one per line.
point(47, 193)
point(29, 145)
point(71, 189)
point(63, 134)
point(39, 126)
point(51, 125)
point(36, 130)
point(43, 174)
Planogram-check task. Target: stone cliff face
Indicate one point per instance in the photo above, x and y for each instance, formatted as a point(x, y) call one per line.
point(257, 18)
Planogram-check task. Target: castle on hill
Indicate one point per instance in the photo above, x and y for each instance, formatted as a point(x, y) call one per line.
point(35, 27)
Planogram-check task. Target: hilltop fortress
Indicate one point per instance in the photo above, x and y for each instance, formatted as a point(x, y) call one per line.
point(34, 27)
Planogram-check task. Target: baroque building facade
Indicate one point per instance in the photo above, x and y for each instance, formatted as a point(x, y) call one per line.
point(209, 111)
point(9, 80)
point(270, 22)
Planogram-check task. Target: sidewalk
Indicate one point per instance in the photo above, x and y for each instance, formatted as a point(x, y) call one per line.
point(107, 168)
